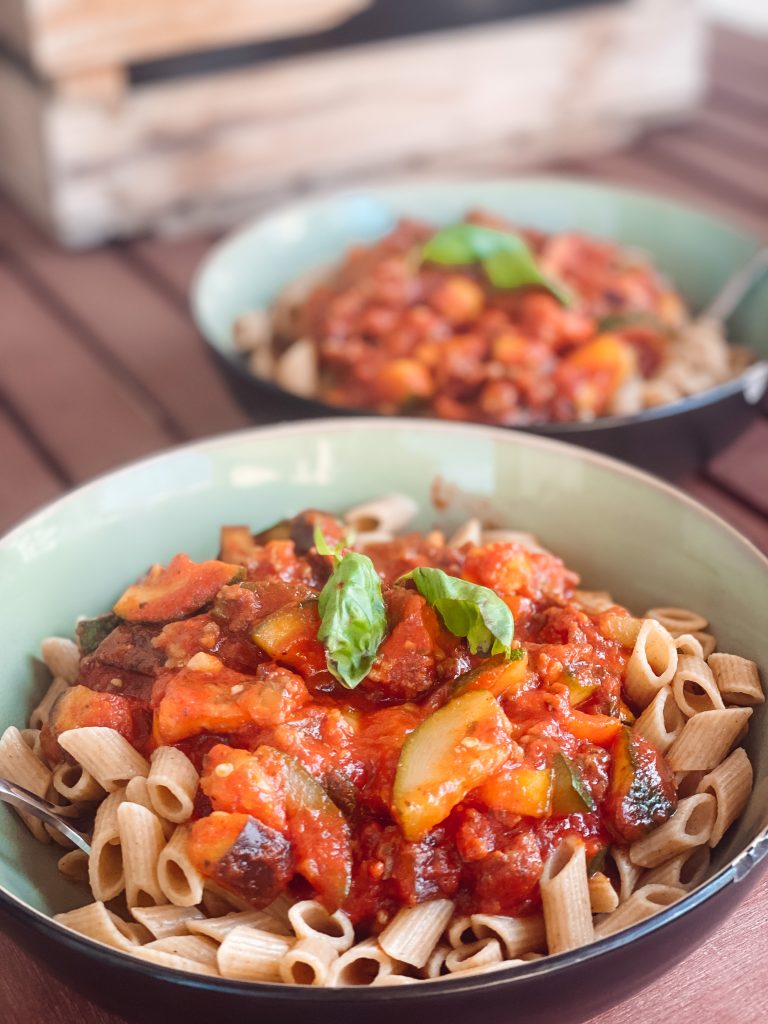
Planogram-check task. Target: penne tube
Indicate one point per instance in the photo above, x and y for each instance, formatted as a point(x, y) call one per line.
point(360, 965)
point(731, 785)
point(687, 783)
point(308, 961)
point(190, 947)
point(280, 907)
point(74, 865)
point(706, 739)
point(385, 515)
point(32, 739)
point(252, 330)
point(218, 928)
point(310, 920)
point(137, 792)
point(603, 898)
point(487, 968)
point(565, 897)
point(737, 679)
point(483, 953)
point(178, 963)
point(296, 370)
point(516, 934)
point(165, 921)
point(179, 880)
point(707, 641)
point(105, 754)
point(687, 643)
point(96, 922)
point(684, 871)
point(642, 904)
point(521, 537)
point(74, 783)
point(662, 721)
point(172, 784)
point(435, 966)
point(691, 825)
point(105, 864)
point(62, 658)
point(677, 620)
point(470, 532)
point(42, 712)
point(460, 932)
point(694, 687)
point(142, 842)
point(652, 663)
point(248, 954)
point(18, 763)
point(413, 932)
point(593, 602)
point(388, 980)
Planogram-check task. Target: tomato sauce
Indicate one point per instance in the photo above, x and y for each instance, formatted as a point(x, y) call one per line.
point(300, 775)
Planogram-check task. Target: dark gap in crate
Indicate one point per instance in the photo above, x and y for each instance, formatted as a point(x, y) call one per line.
point(382, 20)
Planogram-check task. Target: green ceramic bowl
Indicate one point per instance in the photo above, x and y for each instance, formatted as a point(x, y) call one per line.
point(697, 251)
point(622, 530)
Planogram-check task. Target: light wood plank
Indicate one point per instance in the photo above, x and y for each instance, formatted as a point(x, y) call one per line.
point(750, 523)
point(173, 261)
point(28, 480)
point(742, 469)
point(78, 409)
point(148, 339)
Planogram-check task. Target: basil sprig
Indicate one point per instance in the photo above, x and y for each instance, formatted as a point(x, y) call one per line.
point(505, 257)
point(467, 609)
point(353, 617)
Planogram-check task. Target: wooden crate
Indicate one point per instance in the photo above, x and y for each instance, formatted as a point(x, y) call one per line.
point(95, 146)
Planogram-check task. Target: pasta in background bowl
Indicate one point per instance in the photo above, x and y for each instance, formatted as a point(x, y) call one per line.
point(622, 532)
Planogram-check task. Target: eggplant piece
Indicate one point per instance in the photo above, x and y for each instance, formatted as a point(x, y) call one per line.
point(125, 662)
point(91, 632)
point(453, 751)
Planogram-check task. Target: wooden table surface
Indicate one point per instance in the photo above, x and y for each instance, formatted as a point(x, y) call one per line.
point(101, 364)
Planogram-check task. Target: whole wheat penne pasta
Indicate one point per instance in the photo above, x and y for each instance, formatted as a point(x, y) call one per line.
point(105, 754)
point(105, 865)
point(74, 865)
point(691, 825)
point(687, 643)
point(179, 963)
point(61, 657)
point(694, 687)
point(172, 783)
point(652, 663)
point(309, 920)
point(218, 928)
point(190, 947)
point(435, 966)
point(707, 641)
point(18, 763)
point(521, 537)
point(413, 932)
point(482, 953)
point(252, 330)
point(390, 980)
point(308, 961)
point(687, 783)
point(738, 679)
point(76, 784)
point(470, 532)
point(593, 602)
point(362, 964)
point(706, 739)
point(681, 620)
point(179, 880)
point(684, 871)
point(565, 897)
point(483, 968)
point(387, 514)
point(642, 904)
point(730, 784)
point(296, 370)
point(280, 907)
point(248, 954)
point(459, 932)
point(662, 721)
point(137, 792)
point(516, 934)
point(32, 739)
point(42, 712)
point(603, 898)
point(96, 922)
point(166, 920)
point(142, 841)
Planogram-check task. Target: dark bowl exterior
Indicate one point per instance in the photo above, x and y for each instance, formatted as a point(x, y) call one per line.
point(669, 441)
point(566, 989)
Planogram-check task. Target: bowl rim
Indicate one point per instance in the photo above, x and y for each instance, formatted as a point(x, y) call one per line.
point(752, 382)
point(742, 864)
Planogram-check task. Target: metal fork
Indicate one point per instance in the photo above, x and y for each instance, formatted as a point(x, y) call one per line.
point(21, 798)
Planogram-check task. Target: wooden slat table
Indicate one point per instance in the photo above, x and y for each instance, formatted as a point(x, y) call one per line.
point(101, 364)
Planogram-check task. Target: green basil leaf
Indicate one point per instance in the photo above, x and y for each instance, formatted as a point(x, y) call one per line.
point(353, 617)
point(467, 610)
point(505, 257)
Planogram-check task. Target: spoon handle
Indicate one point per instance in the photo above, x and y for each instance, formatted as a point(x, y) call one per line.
point(736, 287)
point(21, 798)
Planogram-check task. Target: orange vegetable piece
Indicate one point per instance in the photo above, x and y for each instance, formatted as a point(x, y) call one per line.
point(519, 790)
point(499, 675)
point(173, 592)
